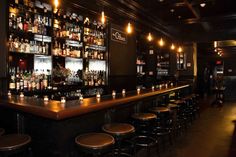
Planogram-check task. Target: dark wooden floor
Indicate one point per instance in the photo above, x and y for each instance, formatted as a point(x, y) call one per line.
point(211, 135)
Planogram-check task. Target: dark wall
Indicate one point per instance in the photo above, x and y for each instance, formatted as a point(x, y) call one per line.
point(122, 62)
point(3, 48)
point(206, 58)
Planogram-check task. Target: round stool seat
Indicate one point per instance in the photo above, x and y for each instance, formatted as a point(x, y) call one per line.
point(172, 106)
point(95, 140)
point(13, 141)
point(2, 131)
point(159, 109)
point(118, 129)
point(179, 102)
point(144, 116)
point(172, 100)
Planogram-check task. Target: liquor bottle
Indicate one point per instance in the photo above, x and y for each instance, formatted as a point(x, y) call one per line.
point(11, 21)
point(19, 23)
point(21, 80)
point(17, 79)
point(10, 43)
point(43, 48)
point(27, 46)
point(45, 81)
point(14, 22)
point(25, 26)
point(30, 25)
point(12, 83)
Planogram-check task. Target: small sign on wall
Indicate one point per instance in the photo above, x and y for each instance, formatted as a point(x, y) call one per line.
point(151, 52)
point(118, 36)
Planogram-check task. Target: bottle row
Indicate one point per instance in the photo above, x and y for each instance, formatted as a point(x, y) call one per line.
point(94, 78)
point(62, 49)
point(26, 46)
point(38, 24)
point(31, 80)
point(67, 30)
point(94, 54)
point(26, 80)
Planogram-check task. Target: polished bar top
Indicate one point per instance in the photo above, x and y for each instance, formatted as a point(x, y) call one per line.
point(58, 111)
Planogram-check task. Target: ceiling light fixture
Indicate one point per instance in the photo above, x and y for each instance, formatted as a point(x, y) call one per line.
point(161, 42)
point(149, 37)
point(129, 28)
point(56, 3)
point(180, 49)
point(203, 4)
point(172, 47)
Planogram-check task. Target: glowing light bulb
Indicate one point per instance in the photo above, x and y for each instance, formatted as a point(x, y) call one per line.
point(149, 37)
point(161, 42)
point(129, 28)
point(56, 3)
point(103, 18)
point(172, 47)
point(180, 49)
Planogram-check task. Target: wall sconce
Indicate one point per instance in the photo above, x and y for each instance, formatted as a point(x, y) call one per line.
point(129, 28)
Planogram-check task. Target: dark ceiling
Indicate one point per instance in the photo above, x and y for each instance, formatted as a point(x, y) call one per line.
point(182, 19)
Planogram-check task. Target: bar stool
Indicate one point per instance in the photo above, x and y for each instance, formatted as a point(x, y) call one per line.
point(175, 125)
point(120, 131)
point(144, 125)
point(2, 131)
point(189, 110)
point(95, 143)
point(143, 122)
point(196, 104)
point(181, 116)
point(163, 126)
point(12, 144)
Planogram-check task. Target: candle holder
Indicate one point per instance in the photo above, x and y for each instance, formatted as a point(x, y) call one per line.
point(81, 97)
point(123, 92)
point(63, 100)
point(138, 90)
point(153, 88)
point(45, 98)
point(166, 85)
point(9, 93)
point(21, 95)
point(113, 93)
point(98, 96)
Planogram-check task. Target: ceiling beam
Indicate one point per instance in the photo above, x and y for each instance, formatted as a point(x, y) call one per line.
point(131, 12)
point(218, 19)
point(196, 13)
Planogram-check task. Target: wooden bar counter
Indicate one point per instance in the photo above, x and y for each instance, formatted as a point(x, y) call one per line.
point(53, 125)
